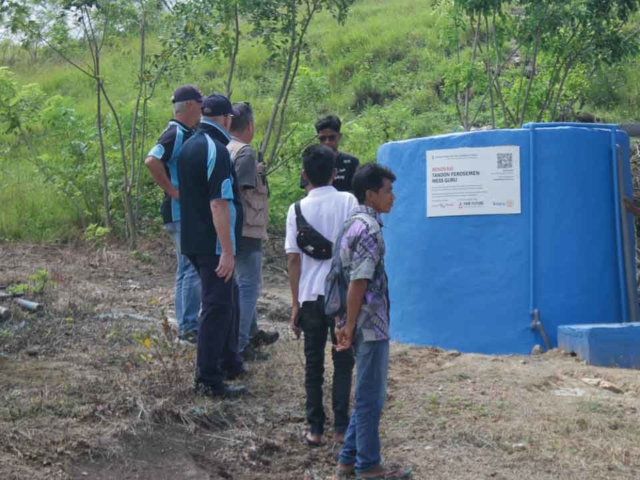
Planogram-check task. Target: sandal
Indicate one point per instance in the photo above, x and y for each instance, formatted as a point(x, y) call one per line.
point(310, 443)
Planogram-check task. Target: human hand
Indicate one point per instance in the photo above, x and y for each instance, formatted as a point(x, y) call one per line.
point(295, 311)
point(344, 338)
point(225, 266)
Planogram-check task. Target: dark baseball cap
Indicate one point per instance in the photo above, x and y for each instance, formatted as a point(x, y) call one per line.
point(186, 92)
point(217, 105)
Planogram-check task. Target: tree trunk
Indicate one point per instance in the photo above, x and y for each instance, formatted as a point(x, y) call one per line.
point(141, 156)
point(506, 115)
point(567, 69)
point(292, 77)
point(467, 89)
point(103, 159)
point(534, 64)
point(276, 144)
point(126, 186)
point(490, 76)
point(134, 121)
point(283, 88)
point(236, 46)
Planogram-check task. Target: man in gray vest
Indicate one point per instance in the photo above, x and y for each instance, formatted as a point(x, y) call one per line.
point(254, 197)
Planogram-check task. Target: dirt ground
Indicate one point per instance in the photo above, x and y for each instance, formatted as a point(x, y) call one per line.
point(95, 387)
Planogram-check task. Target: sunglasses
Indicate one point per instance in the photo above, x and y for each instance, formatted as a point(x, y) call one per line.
point(324, 138)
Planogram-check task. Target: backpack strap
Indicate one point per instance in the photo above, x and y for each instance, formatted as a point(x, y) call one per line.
point(371, 222)
point(300, 220)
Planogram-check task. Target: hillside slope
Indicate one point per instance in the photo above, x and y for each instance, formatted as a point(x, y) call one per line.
point(382, 72)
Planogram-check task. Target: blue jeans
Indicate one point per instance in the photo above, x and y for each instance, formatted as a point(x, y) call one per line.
point(188, 292)
point(362, 441)
point(248, 273)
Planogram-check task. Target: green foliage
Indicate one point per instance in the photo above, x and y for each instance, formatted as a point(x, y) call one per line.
point(36, 285)
point(38, 281)
point(18, 289)
point(96, 235)
point(529, 59)
point(414, 78)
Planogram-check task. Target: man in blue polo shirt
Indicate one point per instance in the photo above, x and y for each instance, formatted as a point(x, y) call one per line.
point(162, 162)
point(211, 213)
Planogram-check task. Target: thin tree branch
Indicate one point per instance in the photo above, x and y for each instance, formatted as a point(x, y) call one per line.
point(467, 89)
point(531, 78)
point(236, 46)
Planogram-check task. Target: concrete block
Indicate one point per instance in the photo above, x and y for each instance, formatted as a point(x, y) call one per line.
point(604, 344)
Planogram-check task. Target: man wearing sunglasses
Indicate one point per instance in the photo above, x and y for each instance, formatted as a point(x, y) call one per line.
point(162, 162)
point(328, 134)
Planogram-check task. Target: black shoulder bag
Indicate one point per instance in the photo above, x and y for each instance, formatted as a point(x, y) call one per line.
point(309, 240)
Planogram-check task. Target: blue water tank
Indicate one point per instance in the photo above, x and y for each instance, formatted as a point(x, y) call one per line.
point(561, 245)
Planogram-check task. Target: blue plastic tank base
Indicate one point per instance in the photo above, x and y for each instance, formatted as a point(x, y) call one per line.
point(604, 344)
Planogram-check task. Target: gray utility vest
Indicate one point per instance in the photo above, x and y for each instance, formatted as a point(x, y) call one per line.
point(255, 201)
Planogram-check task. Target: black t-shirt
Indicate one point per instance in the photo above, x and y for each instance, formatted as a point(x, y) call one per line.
point(206, 174)
point(345, 168)
point(167, 149)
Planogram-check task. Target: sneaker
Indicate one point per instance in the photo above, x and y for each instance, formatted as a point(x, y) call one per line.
point(262, 338)
point(190, 337)
point(225, 391)
point(250, 354)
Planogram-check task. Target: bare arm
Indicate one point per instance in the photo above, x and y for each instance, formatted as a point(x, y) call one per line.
point(159, 175)
point(294, 265)
point(222, 222)
point(355, 294)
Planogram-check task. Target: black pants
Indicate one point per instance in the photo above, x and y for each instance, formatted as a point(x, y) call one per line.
point(218, 324)
point(315, 325)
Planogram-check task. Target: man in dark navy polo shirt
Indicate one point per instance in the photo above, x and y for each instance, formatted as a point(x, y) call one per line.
point(162, 162)
point(211, 213)
point(328, 134)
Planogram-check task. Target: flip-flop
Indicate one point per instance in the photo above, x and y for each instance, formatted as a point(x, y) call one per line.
point(310, 443)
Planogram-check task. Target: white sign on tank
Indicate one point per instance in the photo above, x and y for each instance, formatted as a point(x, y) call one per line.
point(473, 181)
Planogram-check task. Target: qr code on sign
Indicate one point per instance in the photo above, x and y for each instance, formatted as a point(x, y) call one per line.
point(505, 160)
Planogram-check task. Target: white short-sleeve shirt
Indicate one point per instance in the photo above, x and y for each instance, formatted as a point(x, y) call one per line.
point(325, 209)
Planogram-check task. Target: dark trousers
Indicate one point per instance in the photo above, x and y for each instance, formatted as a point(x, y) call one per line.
point(218, 324)
point(315, 325)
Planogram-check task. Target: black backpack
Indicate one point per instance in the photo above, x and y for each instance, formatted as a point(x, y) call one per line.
point(309, 240)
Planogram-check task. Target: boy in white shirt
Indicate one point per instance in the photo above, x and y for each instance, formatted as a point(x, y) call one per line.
point(325, 209)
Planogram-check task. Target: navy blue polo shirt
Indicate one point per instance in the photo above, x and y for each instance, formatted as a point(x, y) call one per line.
point(206, 173)
point(167, 150)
